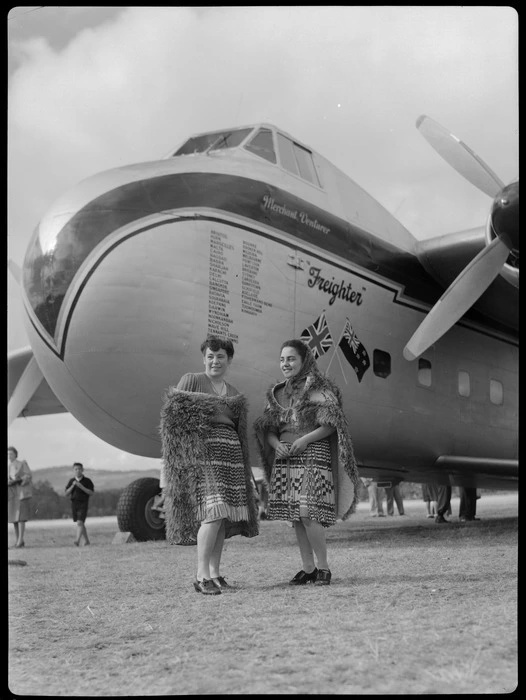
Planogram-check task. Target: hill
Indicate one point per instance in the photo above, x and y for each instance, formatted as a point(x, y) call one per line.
point(103, 479)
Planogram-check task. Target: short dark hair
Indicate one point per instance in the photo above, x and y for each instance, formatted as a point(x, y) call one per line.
point(215, 343)
point(78, 464)
point(13, 449)
point(298, 345)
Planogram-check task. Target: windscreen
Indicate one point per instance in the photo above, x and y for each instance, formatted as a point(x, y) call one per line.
point(215, 141)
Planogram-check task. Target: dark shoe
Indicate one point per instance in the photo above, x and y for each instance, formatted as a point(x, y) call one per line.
point(18, 546)
point(323, 578)
point(207, 587)
point(75, 543)
point(463, 520)
point(441, 519)
point(220, 583)
point(302, 578)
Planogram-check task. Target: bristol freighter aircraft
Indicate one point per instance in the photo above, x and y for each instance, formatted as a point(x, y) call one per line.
point(249, 234)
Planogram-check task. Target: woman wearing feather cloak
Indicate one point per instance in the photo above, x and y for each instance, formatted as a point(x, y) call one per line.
point(307, 454)
point(208, 486)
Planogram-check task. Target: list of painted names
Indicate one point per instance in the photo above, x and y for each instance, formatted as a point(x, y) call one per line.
point(222, 274)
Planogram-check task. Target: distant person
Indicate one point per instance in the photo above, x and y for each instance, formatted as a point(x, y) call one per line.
point(429, 496)
point(443, 503)
point(79, 489)
point(208, 485)
point(393, 495)
point(375, 498)
point(19, 494)
point(306, 450)
point(468, 504)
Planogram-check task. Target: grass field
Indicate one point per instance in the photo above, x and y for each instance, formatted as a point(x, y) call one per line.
point(414, 608)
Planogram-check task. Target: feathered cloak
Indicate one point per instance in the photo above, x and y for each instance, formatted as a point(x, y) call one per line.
point(311, 414)
point(186, 420)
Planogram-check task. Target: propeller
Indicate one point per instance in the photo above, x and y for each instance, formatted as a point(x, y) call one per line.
point(502, 234)
point(27, 385)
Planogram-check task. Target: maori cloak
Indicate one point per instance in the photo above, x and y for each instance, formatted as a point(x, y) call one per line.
point(310, 414)
point(186, 420)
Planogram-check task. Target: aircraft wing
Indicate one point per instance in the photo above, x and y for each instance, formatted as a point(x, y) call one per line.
point(29, 394)
point(444, 257)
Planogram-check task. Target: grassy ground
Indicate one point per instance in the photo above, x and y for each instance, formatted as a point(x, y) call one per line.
point(414, 608)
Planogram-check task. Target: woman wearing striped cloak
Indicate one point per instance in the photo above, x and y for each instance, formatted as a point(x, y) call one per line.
point(307, 454)
point(208, 486)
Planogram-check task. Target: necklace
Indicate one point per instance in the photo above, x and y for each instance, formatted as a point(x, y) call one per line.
point(223, 387)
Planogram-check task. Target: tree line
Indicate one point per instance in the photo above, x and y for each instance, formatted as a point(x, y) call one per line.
point(47, 504)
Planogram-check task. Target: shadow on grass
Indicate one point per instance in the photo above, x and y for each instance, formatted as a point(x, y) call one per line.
point(352, 584)
point(421, 534)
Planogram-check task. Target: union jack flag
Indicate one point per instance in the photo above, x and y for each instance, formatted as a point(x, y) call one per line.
point(318, 337)
point(355, 353)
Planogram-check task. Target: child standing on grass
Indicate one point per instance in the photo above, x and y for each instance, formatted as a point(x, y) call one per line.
point(79, 488)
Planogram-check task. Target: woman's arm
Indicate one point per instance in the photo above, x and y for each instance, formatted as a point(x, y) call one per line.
point(301, 444)
point(25, 474)
point(280, 448)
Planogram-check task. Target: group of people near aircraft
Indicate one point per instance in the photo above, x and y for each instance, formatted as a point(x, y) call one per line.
point(305, 448)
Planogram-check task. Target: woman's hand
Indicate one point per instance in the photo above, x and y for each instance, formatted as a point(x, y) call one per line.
point(282, 450)
point(299, 446)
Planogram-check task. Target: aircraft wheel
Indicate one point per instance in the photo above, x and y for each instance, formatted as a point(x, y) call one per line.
point(135, 513)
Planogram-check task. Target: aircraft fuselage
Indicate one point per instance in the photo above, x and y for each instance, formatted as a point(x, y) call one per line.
point(128, 273)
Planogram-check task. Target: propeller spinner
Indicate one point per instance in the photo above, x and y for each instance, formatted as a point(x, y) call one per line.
point(501, 254)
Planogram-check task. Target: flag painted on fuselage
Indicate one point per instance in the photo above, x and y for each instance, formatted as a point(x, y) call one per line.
point(353, 350)
point(318, 337)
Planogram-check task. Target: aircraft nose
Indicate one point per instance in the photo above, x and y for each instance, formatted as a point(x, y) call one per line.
point(112, 285)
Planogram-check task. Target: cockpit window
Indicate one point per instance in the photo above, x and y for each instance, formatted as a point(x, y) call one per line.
point(306, 164)
point(297, 160)
point(214, 142)
point(262, 145)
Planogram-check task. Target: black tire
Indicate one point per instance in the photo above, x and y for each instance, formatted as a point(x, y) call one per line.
point(134, 510)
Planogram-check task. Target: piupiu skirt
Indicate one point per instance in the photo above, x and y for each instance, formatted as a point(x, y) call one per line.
point(223, 489)
point(302, 486)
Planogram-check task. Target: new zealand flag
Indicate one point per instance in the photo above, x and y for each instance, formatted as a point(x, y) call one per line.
point(355, 353)
point(318, 337)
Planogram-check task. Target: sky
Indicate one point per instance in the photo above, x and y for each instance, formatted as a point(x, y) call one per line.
point(93, 88)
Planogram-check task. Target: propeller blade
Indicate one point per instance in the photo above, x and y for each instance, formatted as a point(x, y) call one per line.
point(463, 292)
point(460, 156)
point(15, 271)
point(24, 390)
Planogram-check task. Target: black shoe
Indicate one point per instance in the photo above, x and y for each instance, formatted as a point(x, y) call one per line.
point(441, 519)
point(207, 587)
point(302, 578)
point(323, 578)
point(220, 583)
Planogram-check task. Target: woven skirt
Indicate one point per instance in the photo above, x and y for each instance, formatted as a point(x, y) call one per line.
point(223, 489)
point(302, 486)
